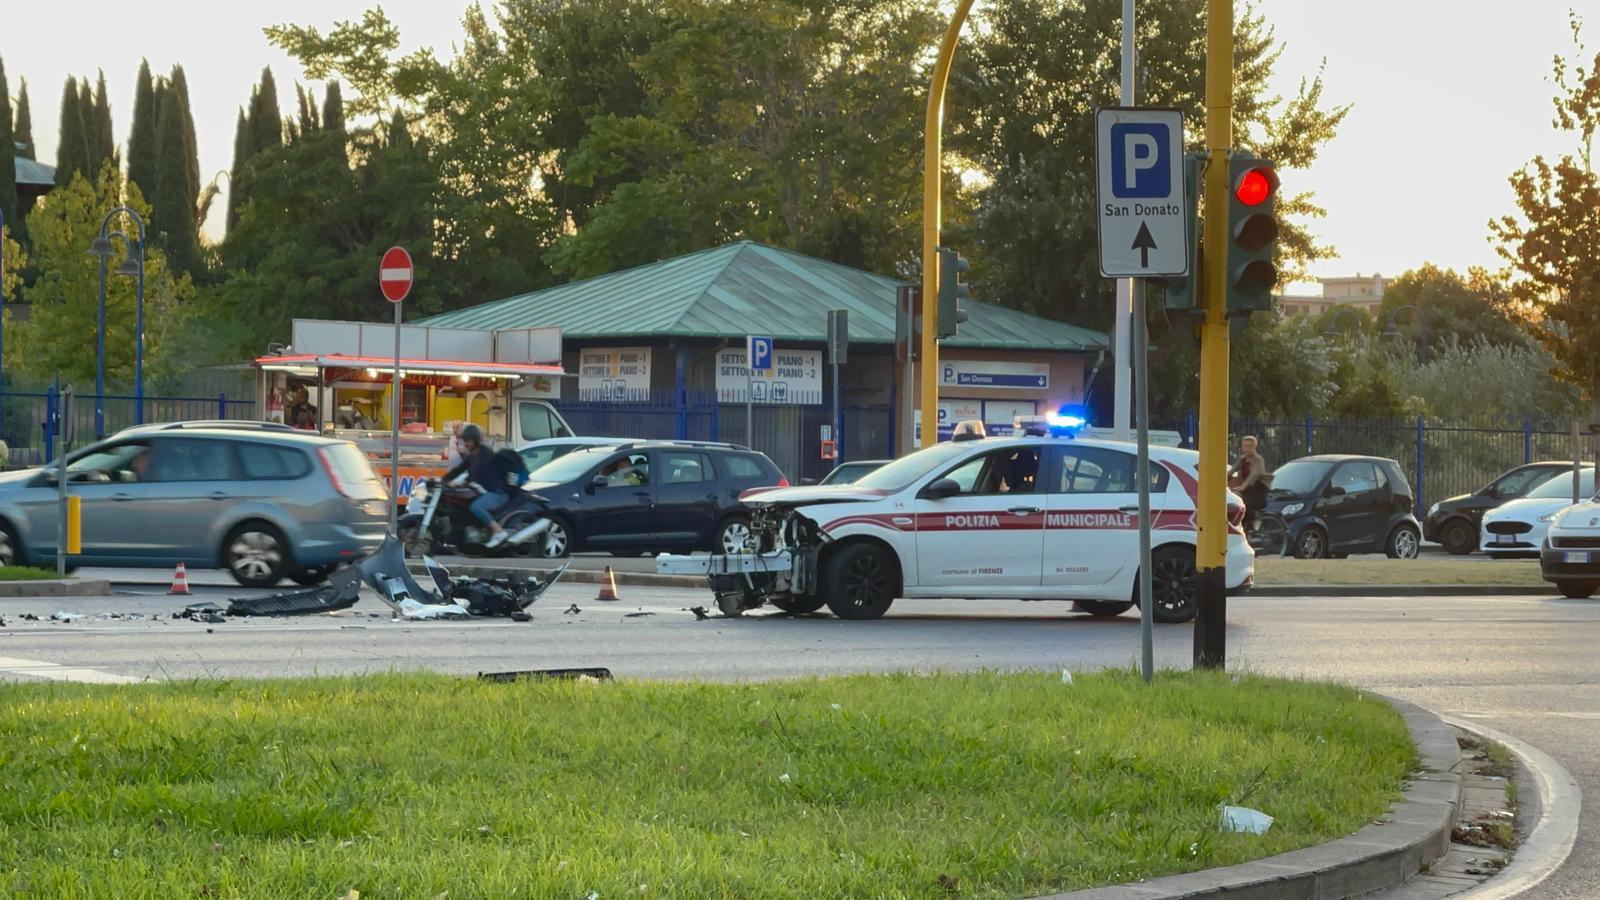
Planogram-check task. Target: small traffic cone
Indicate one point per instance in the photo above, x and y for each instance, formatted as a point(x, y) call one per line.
point(608, 587)
point(180, 581)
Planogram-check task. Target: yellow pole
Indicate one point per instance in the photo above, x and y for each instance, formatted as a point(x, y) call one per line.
point(931, 170)
point(74, 524)
point(1211, 518)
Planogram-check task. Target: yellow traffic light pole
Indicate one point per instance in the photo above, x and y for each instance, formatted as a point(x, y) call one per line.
point(931, 170)
point(1212, 551)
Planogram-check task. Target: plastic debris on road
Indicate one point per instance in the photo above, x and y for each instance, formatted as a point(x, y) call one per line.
point(207, 612)
point(1245, 820)
point(411, 609)
point(66, 617)
point(592, 673)
point(385, 571)
point(341, 592)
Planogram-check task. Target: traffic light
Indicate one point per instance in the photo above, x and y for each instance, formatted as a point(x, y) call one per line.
point(952, 290)
point(1252, 234)
point(1183, 291)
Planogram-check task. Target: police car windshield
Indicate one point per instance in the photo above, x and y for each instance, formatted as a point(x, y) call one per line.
point(899, 475)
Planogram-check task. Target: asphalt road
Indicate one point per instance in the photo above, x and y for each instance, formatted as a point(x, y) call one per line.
point(1525, 666)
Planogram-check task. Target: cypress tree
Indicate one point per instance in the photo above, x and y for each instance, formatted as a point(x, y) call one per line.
point(172, 205)
point(8, 158)
point(23, 133)
point(399, 134)
point(105, 139)
point(266, 121)
point(333, 118)
point(91, 134)
point(72, 153)
point(142, 138)
point(236, 175)
point(191, 148)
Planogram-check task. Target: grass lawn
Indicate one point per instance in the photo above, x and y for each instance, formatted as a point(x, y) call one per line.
point(25, 573)
point(980, 785)
point(1499, 572)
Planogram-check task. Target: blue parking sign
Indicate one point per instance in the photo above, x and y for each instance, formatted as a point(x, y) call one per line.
point(1140, 166)
point(758, 353)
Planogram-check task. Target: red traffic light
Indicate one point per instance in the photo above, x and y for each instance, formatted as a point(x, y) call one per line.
point(1255, 187)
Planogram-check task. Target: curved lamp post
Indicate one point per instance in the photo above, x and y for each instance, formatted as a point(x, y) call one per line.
point(1393, 330)
point(103, 248)
point(1333, 324)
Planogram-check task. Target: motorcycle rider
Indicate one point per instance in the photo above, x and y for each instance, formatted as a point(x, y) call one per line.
point(479, 462)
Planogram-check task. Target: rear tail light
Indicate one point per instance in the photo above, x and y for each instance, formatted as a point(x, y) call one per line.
point(333, 477)
point(1235, 514)
point(782, 481)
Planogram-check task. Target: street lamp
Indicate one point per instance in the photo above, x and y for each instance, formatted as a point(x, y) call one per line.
point(1333, 324)
point(1393, 331)
point(103, 248)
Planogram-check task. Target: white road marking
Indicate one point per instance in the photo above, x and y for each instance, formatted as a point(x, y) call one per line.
point(50, 671)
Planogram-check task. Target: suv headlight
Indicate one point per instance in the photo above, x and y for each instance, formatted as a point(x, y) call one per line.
point(1294, 509)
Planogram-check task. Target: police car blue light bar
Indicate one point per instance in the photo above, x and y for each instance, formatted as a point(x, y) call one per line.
point(1067, 421)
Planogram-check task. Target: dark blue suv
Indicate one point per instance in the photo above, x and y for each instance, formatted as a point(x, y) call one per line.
point(652, 496)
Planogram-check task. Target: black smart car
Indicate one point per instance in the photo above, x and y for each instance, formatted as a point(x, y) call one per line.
point(652, 496)
point(1455, 523)
point(1335, 505)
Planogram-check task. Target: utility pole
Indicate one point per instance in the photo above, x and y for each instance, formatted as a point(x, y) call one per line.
point(931, 170)
point(1211, 596)
point(1122, 339)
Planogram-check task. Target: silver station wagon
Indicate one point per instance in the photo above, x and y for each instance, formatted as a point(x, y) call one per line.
point(264, 503)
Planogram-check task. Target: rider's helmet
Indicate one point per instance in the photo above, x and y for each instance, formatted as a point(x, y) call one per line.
point(472, 433)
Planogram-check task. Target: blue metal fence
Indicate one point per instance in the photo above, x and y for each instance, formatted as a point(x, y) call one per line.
point(37, 424)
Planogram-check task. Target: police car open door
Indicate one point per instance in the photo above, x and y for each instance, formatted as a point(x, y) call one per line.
point(989, 536)
point(1091, 514)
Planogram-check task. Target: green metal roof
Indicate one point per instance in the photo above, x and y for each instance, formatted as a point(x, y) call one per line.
point(745, 288)
point(30, 172)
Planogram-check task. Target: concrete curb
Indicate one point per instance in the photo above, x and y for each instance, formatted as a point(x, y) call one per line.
point(66, 587)
point(1414, 834)
point(1401, 590)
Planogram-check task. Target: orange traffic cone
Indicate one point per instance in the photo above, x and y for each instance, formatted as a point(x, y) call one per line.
point(180, 581)
point(608, 587)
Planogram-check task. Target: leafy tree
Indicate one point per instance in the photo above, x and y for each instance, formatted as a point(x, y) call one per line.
point(72, 149)
point(142, 137)
point(172, 203)
point(65, 295)
point(1467, 309)
point(8, 157)
point(1551, 241)
point(23, 133)
point(1022, 104)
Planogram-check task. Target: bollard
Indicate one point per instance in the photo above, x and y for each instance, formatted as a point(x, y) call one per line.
point(74, 525)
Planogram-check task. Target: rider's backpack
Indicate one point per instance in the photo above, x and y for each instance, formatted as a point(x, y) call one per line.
point(512, 466)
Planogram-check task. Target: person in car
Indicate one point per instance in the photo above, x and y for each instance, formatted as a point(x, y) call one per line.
point(624, 473)
point(479, 462)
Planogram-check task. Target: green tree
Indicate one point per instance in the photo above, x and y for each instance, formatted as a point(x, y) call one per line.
point(333, 119)
point(173, 204)
point(1551, 240)
point(142, 136)
point(236, 176)
point(105, 140)
point(72, 149)
point(91, 129)
point(8, 157)
point(1467, 309)
point(266, 122)
point(191, 148)
point(64, 297)
point(23, 132)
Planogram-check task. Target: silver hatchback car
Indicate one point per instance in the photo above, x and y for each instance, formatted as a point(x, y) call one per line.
point(264, 504)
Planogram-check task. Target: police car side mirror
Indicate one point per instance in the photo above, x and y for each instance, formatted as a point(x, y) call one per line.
point(942, 488)
point(599, 481)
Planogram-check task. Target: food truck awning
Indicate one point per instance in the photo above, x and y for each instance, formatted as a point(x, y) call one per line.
point(381, 366)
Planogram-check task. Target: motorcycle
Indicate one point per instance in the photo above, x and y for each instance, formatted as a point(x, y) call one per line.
point(438, 516)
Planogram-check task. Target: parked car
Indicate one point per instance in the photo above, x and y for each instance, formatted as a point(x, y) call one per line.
point(1517, 529)
point(850, 472)
point(1335, 505)
point(540, 453)
point(1570, 554)
point(262, 503)
point(650, 496)
point(1455, 523)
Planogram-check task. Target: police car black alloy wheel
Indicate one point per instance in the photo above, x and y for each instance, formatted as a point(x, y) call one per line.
point(859, 583)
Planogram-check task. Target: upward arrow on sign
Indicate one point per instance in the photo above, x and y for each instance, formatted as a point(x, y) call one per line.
point(1144, 243)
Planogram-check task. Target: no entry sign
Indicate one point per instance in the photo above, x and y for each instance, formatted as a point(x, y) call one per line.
point(394, 274)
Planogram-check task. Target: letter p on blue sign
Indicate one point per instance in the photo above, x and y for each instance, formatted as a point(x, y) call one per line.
point(1139, 167)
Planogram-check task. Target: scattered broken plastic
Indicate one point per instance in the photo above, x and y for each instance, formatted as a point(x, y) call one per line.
point(66, 617)
point(1246, 820)
point(411, 609)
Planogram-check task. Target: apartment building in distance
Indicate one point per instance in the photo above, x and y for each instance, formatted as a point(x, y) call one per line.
point(1363, 292)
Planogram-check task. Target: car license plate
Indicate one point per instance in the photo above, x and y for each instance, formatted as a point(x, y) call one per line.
point(1575, 556)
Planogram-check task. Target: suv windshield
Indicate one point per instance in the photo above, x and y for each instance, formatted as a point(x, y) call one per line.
point(1299, 477)
point(1561, 486)
point(566, 468)
point(899, 475)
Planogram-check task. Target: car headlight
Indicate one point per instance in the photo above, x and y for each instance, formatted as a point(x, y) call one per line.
point(1433, 510)
point(1549, 517)
point(1294, 509)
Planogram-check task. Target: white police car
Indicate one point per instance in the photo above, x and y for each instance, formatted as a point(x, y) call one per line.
point(1029, 517)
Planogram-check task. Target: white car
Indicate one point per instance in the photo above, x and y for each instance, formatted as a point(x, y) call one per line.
point(1034, 518)
point(1570, 556)
point(1517, 528)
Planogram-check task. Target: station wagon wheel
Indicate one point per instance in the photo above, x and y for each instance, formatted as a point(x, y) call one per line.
point(860, 582)
point(256, 555)
point(1173, 584)
point(733, 537)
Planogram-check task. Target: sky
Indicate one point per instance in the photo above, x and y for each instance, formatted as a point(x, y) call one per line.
point(1449, 97)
